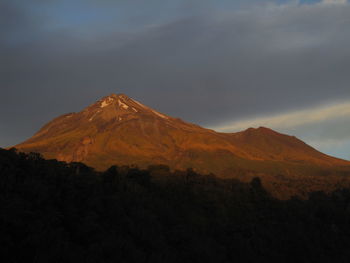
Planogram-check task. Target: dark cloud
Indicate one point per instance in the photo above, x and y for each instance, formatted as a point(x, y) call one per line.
point(203, 68)
point(11, 18)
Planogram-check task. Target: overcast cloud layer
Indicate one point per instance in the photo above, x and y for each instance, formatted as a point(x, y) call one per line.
point(215, 63)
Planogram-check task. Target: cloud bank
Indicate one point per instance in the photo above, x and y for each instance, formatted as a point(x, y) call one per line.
point(334, 1)
point(208, 62)
point(292, 119)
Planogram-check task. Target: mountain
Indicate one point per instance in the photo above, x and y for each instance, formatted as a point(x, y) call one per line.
point(118, 130)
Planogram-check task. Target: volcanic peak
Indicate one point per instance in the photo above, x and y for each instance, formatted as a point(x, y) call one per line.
point(119, 130)
point(119, 106)
point(119, 99)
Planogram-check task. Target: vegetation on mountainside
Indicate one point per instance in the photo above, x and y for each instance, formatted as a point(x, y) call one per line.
point(52, 211)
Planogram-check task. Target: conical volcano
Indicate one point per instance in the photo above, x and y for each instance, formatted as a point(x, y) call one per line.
point(118, 130)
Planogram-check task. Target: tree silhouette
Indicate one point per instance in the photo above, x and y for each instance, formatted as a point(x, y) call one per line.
point(52, 211)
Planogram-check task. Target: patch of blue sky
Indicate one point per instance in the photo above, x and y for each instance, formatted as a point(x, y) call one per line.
point(309, 2)
point(340, 150)
point(122, 14)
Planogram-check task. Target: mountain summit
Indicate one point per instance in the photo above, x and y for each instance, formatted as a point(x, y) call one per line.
point(118, 130)
point(120, 106)
point(114, 130)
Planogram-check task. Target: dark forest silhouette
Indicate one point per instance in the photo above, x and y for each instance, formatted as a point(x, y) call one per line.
point(52, 211)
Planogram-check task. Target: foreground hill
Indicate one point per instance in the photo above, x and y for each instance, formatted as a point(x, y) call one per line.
point(120, 130)
point(60, 213)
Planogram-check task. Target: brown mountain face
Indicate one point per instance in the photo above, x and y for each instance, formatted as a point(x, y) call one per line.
point(118, 130)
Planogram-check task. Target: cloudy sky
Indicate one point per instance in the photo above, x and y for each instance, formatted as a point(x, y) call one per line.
point(223, 64)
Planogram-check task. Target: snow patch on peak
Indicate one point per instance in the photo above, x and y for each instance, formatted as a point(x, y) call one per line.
point(140, 104)
point(122, 96)
point(104, 104)
point(147, 108)
point(159, 114)
point(93, 116)
point(107, 102)
point(123, 105)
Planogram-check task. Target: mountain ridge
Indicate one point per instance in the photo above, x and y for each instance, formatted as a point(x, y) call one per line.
point(118, 130)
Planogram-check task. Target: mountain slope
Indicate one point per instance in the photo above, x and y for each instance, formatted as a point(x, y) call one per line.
point(119, 130)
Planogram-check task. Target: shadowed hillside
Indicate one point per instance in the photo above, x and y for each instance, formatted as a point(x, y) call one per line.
point(57, 212)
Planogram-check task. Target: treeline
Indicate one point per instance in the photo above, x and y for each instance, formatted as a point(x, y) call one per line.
point(52, 211)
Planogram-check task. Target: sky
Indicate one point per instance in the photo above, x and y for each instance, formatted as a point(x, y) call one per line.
point(223, 64)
